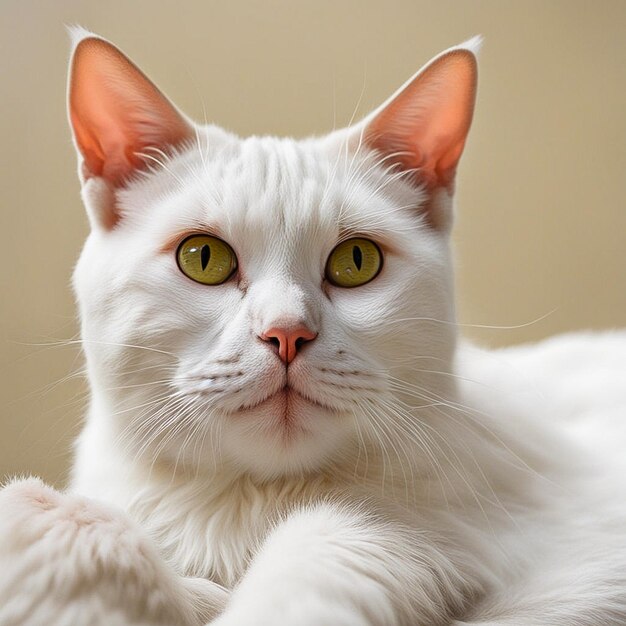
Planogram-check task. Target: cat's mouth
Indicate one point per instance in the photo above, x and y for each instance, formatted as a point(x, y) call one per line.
point(286, 400)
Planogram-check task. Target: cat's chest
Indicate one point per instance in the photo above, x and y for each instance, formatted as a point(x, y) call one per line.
point(213, 533)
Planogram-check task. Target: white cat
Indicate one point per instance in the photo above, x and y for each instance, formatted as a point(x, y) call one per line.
point(283, 428)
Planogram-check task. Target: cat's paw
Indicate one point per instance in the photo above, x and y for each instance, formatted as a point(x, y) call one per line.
point(65, 559)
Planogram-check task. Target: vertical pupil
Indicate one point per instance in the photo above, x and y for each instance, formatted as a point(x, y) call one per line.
point(205, 255)
point(357, 256)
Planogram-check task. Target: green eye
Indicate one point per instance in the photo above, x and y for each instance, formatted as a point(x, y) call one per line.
point(205, 259)
point(354, 262)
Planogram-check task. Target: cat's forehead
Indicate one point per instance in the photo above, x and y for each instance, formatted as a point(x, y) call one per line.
point(278, 188)
point(269, 183)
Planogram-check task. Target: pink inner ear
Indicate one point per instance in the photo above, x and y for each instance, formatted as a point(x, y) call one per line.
point(427, 121)
point(116, 112)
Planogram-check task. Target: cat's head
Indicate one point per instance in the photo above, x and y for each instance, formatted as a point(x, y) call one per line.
point(270, 304)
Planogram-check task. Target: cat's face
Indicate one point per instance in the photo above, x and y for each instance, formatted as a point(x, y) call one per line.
point(218, 313)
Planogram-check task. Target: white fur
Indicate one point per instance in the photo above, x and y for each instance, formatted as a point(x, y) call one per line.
point(426, 482)
point(66, 561)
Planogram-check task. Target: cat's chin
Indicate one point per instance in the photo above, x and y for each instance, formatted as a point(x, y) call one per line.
point(285, 433)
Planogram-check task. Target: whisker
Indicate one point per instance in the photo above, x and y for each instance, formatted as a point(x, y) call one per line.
point(70, 342)
point(465, 325)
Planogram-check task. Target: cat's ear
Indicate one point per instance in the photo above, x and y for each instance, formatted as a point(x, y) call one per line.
point(117, 114)
point(424, 125)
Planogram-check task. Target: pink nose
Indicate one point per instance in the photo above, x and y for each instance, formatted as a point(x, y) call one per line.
point(288, 340)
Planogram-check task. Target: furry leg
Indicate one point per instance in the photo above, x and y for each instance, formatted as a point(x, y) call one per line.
point(66, 560)
point(343, 566)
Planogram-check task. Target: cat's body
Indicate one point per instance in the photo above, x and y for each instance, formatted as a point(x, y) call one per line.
point(537, 528)
point(322, 454)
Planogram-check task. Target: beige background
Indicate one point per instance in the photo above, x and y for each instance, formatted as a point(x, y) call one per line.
point(542, 219)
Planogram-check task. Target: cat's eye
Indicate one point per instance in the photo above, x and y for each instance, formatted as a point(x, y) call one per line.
point(354, 262)
point(205, 259)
